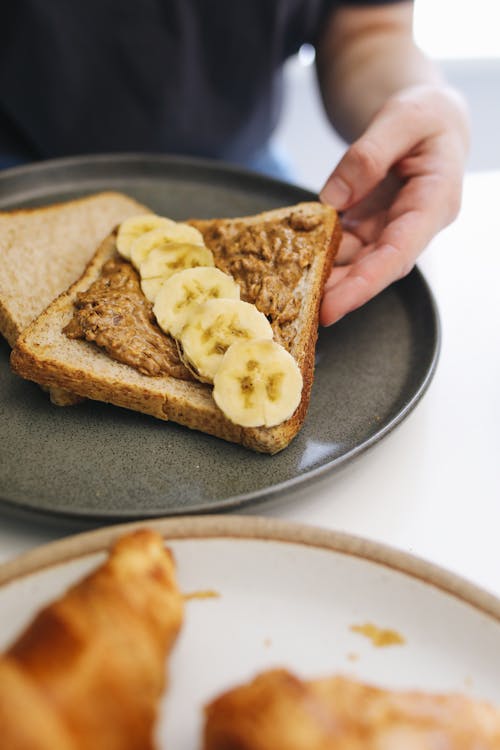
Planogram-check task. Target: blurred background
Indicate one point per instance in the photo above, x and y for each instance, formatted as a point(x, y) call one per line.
point(463, 36)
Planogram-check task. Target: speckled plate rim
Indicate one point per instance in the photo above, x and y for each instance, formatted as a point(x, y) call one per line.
point(260, 529)
point(30, 174)
point(262, 495)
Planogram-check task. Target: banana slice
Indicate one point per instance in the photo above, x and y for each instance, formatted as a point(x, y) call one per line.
point(163, 262)
point(162, 237)
point(213, 327)
point(132, 228)
point(182, 292)
point(258, 384)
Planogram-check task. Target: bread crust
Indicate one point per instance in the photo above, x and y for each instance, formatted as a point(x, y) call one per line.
point(44, 354)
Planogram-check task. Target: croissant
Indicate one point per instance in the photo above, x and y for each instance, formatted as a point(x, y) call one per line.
point(278, 711)
point(88, 672)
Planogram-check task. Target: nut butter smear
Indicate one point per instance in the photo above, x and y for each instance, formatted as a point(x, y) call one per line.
point(268, 261)
point(115, 314)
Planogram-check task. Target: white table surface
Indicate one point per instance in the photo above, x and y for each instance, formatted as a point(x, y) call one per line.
point(431, 487)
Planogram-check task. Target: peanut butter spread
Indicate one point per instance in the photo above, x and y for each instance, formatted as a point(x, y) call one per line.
point(114, 313)
point(268, 261)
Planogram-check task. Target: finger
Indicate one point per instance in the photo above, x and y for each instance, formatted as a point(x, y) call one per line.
point(392, 258)
point(364, 279)
point(364, 230)
point(392, 134)
point(336, 275)
point(349, 246)
point(379, 198)
point(435, 194)
point(417, 194)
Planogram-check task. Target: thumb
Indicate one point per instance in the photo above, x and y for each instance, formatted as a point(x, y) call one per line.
point(392, 134)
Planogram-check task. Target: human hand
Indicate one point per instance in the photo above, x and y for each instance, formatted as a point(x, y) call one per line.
point(398, 185)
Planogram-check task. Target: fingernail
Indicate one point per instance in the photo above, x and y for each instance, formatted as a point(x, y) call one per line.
point(331, 322)
point(336, 192)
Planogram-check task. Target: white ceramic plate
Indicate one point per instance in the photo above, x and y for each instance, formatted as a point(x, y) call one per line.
point(289, 595)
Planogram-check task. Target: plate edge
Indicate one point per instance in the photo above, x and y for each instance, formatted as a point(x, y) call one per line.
point(262, 529)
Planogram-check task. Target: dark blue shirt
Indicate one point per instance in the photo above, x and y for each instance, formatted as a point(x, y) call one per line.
point(199, 77)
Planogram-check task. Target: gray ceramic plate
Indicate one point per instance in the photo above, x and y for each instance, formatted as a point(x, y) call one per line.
point(101, 463)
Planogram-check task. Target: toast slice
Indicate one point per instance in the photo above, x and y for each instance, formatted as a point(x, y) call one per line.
point(44, 250)
point(305, 236)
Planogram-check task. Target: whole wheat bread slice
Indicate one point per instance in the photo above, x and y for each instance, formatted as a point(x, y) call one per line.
point(43, 353)
point(44, 250)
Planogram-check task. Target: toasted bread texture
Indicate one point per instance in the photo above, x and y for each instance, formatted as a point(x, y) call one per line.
point(43, 353)
point(44, 250)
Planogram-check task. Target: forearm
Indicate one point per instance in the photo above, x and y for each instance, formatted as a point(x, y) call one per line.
point(365, 56)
